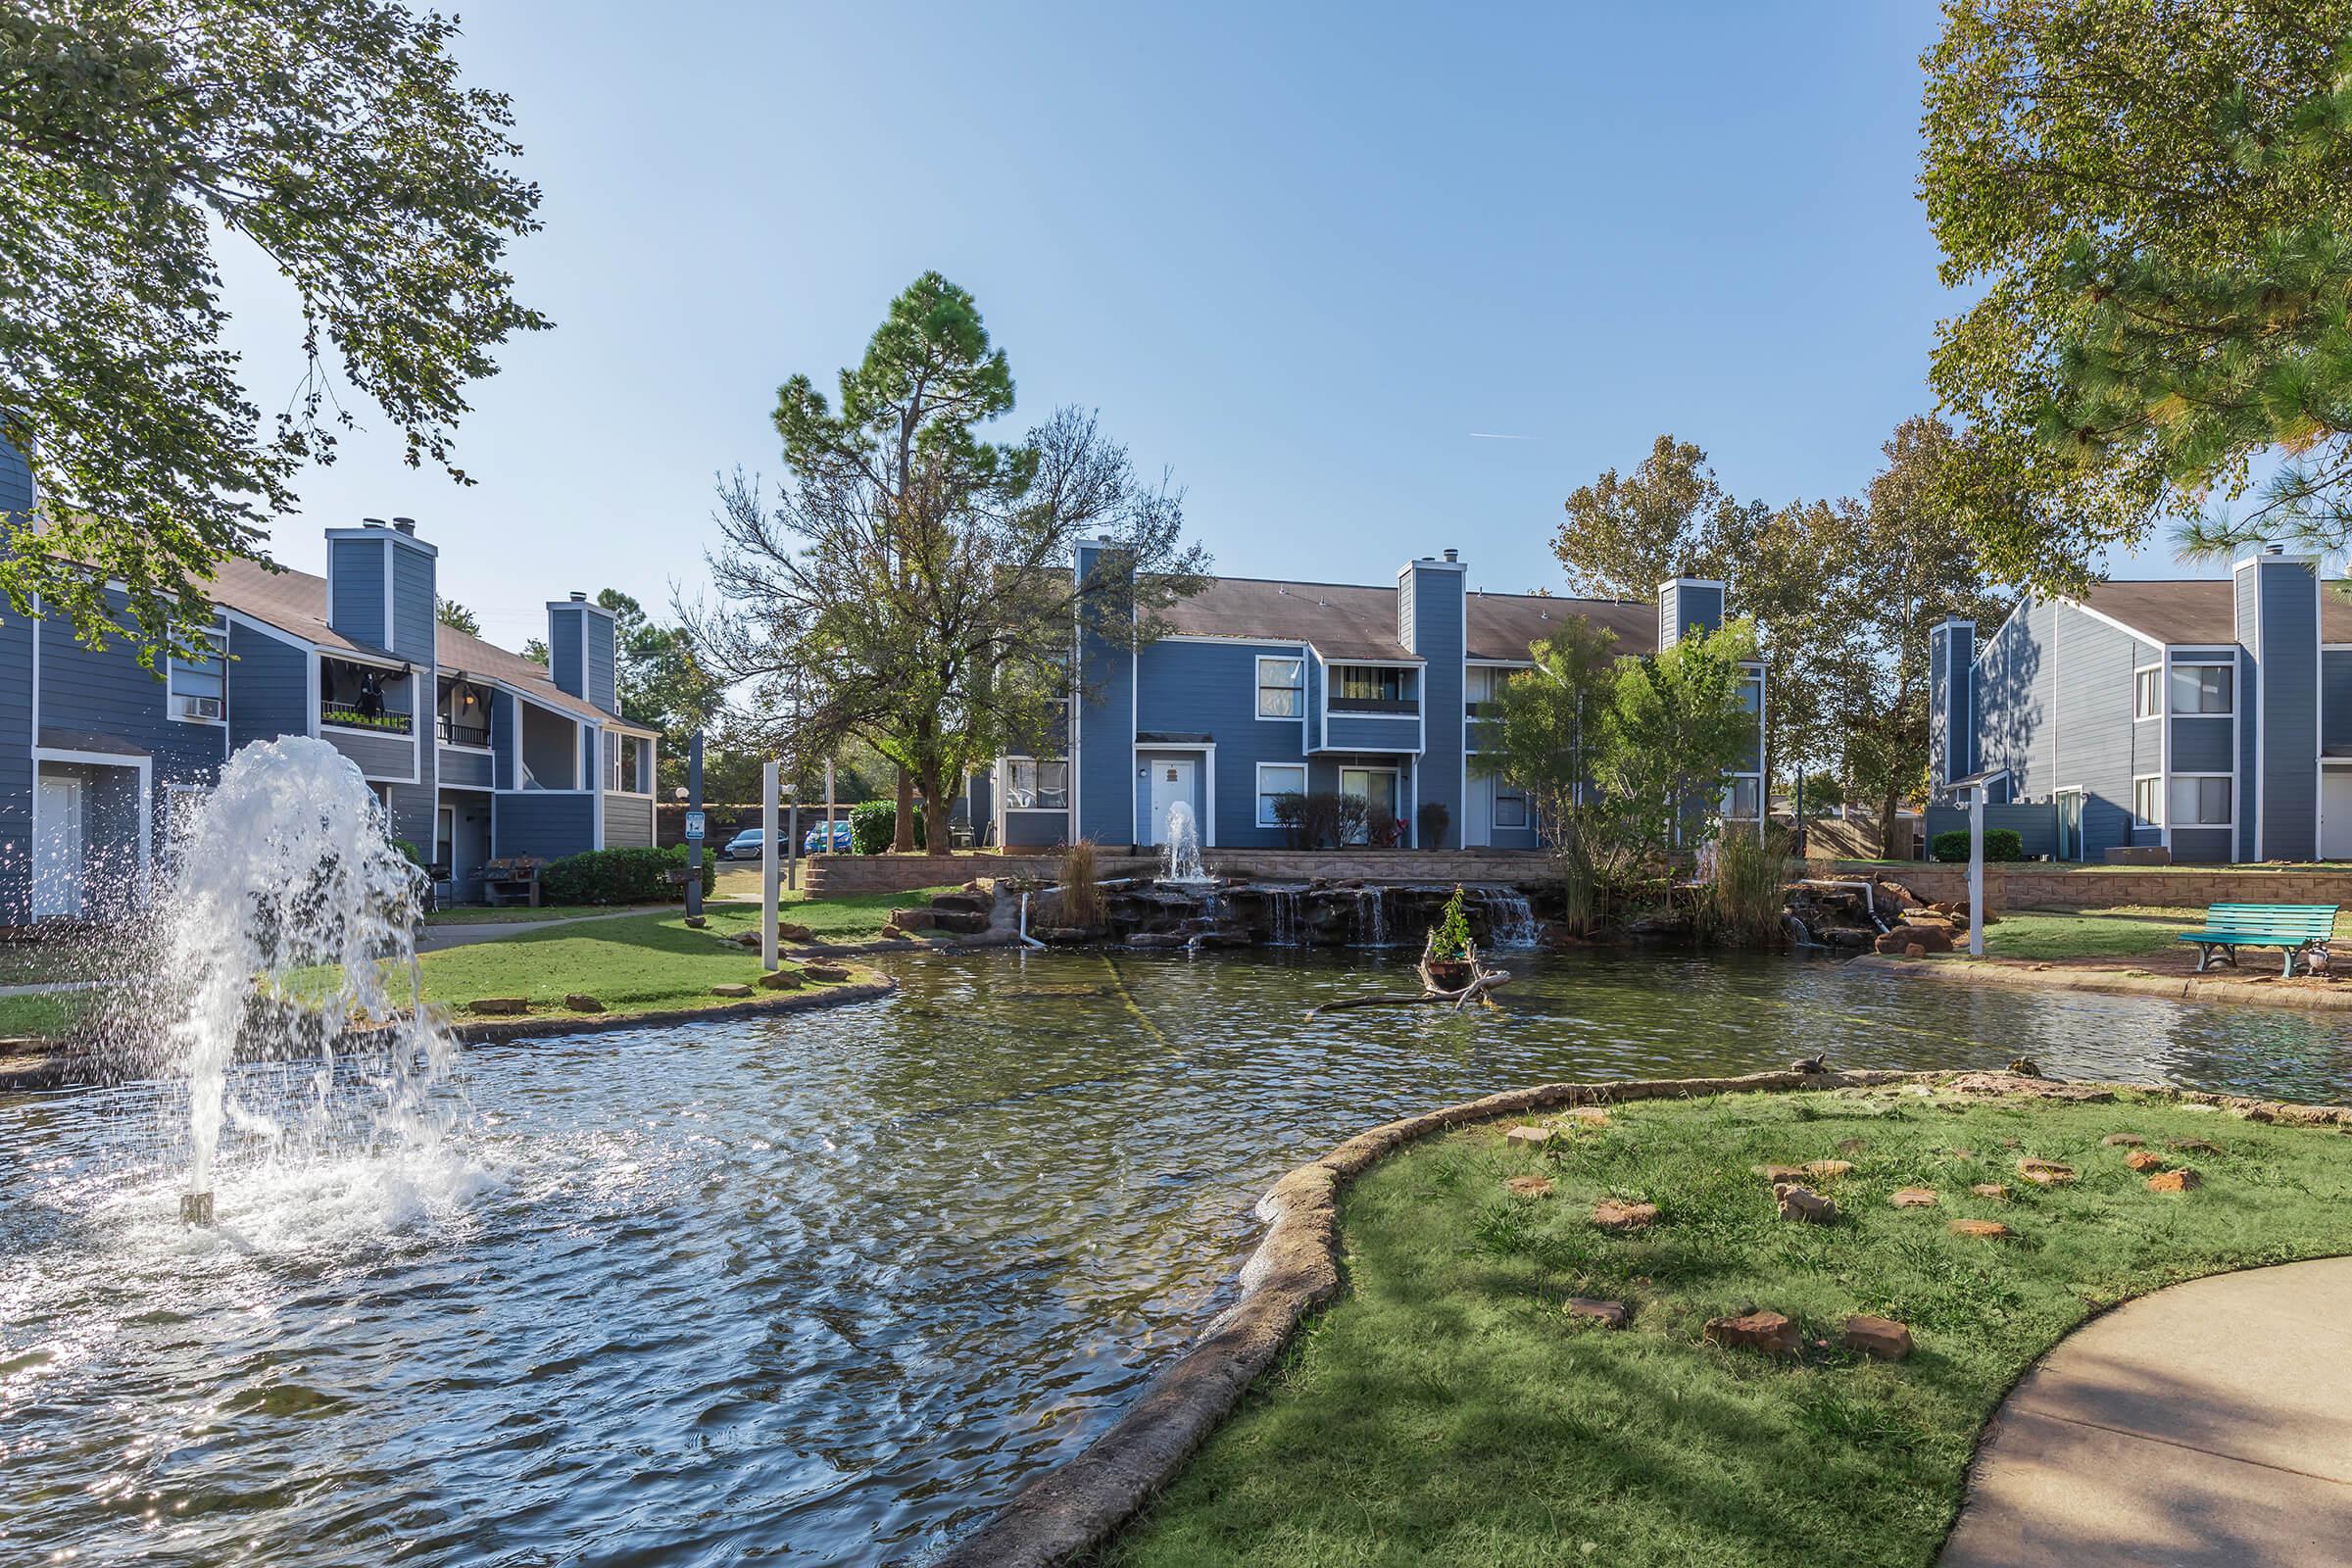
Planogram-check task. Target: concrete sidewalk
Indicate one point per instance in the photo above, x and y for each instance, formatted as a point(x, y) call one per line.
point(2206, 1426)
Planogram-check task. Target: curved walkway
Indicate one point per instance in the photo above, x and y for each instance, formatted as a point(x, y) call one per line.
point(2206, 1426)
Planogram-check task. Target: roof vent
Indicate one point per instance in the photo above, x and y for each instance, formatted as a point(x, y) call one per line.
point(1454, 555)
point(372, 522)
point(578, 598)
point(1322, 602)
point(1280, 589)
point(2274, 549)
point(407, 525)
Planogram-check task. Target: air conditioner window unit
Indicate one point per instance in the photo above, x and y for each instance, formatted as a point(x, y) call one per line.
point(200, 708)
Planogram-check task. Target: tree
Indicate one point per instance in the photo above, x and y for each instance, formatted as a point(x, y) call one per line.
point(336, 137)
point(658, 679)
point(449, 613)
point(916, 585)
point(2154, 204)
point(1546, 738)
point(1667, 519)
point(534, 649)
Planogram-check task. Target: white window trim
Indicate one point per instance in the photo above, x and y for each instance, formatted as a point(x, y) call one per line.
point(1258, 812)
point(2210, 827)
point(613, 741)
point(1504, 791)
point(1260, 686)
point(2157, 821)
point(1068, 779)
point(2177, 664)
point(2163, 691)
point(218, 636)
point(1731, 779)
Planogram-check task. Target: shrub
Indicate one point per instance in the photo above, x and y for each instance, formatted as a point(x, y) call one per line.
point(1450, 938)
point(1329, 819)
point(633, 875)
point(1745, 902)
point(1382, 832)
point(1290, 815)
point(1081, 895)
point(2000, 844)
point(1435, 820)
point(874, 827)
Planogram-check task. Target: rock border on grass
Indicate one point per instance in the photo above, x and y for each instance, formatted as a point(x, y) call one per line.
point(1073, 1508)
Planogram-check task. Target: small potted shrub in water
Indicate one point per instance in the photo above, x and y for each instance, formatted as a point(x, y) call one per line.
point(1450, 959)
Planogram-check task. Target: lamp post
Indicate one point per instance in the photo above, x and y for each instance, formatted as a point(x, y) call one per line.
point(768, 891)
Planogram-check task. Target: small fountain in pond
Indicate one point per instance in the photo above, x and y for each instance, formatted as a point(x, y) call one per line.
point(1184, 854)
point(288, 912)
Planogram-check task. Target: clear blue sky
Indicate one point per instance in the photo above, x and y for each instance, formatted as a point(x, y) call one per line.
point(1305, 262)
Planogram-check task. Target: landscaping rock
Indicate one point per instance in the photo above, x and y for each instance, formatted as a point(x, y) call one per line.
point(2046, 1172)
point(1528, 1138)
point(1989, 1229)
point(830, 973)
point(1880, 1337)
point(2123, 1139)
point(1993, 1190)
point(961, 922)
point(1777, 1174)
point(1530, 1186)
point(745, 939)
point(499, 1006)
point(731, 991)
point(782, 980)
point(1914, 1198)
point(1765, 1332)
point(968, 901)
point(1589, 1115)
point(2193, 1145)
point(1612, 1214)
point(2145, 1160)
point(787, 931)
point(2184, 1180)
point(2018, 1085)
point(1830, 1168)
point(914, 920)
point(1804, 1205)
point(579, 1002)
point(1608, 1314)
point(1915, 940)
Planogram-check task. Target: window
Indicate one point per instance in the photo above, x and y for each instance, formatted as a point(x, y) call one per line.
point(1033, 786)
point(2149, 699)
point(1752, 697)
point(2202, 688)
point(1510, 809)
point(2201, 801)
point(1369, 683)
point(2148, 802)
point(625, 759)
point(1275, 779)
point(1740, 801)
point(1281, 688)
point(198, 691)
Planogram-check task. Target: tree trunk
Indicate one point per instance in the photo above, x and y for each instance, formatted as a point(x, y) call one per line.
point(938, 802)
point(902, 839)
point(1887, 848)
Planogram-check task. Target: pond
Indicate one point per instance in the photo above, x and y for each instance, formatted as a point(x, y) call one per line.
point(817, 1289)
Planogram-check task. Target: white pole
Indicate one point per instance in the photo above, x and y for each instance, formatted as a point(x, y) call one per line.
point(768, 891)
point(792, 834)
point(1976, 872)
point(828, 806)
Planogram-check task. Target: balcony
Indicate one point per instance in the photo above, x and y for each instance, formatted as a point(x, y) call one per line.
point(348, 716)
point(1378, 689)
point(1404, 706)
point(458, 732)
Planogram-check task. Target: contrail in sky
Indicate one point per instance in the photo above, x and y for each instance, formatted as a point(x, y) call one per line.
point(1489, 435)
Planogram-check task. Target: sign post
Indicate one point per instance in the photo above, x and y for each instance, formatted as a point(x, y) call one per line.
point(768, 891)
point(694, 830)
point(792, 835)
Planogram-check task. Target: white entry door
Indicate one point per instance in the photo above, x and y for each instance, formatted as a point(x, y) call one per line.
point(1172, 781)
point(57, 850)
point(2336, 814)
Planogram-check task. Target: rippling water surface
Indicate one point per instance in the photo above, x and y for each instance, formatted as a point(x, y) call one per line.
point(814, 1290)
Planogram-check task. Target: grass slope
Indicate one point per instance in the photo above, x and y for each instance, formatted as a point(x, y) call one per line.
point(1445, 1410)
point(635, 964)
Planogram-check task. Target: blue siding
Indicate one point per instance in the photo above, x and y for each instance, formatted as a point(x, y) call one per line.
point(1684, 608)
point(1212, 689)
point(1357, 732)
point(466, 771)
point(16, 482)
point(1440, 631)
point(2012, 696)
point(1106, 777)
point(2035, 823)
point(2201, 845)
point(2288, 782)
point(502, 740)
point(413, 585)
point(599, 630)
point(563, 648)
point(356, 583)
point(15, 767)
point(269, 687)
point(2094, 742)
point(1036, 829)
point(544, 824)
point(380, 757)
point(108, 694)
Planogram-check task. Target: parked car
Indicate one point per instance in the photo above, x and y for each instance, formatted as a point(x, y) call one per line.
point(746, 844)
point(813, 841)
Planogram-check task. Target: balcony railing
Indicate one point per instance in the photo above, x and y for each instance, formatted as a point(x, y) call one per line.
point(1375, 705)
point(454, 732)
point(343, 715)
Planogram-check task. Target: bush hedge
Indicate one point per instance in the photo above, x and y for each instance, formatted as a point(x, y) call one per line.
point(634, 875)
point(2000, 844)
point(874, 827)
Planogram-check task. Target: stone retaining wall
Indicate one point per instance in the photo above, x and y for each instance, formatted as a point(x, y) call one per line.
point(2037, 886)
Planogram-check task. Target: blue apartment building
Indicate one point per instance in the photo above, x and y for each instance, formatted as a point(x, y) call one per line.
point(1266, 687)
point(2206, 721)
point(475, 751)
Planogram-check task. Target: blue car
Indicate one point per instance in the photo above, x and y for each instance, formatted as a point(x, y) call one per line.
point(813, 841)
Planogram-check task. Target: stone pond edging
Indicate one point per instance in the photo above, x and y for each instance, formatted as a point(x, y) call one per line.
point(2043, 885)
point(2111, 982)
point(1070, 1509)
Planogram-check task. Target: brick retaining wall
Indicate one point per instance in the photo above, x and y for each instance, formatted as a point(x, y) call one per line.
point(2039, 886)
point(897, 873)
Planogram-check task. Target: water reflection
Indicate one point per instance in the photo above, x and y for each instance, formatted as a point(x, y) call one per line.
point(818, 1290)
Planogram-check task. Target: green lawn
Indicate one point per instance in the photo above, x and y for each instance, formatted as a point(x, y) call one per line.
point(520, 914)
point(1446, 1410)
point(2048, 935)
point(633, 963)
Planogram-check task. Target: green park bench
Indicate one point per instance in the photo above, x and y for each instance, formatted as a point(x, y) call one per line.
point(2299, 928)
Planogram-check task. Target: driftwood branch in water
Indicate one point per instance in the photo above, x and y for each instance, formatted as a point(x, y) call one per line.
point(1482, 980)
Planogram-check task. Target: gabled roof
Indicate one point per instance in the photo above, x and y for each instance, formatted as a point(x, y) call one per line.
point(2202, 611)
point(295, 602)
point(1349, 620)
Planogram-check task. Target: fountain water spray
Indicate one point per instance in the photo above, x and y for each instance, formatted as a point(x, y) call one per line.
point(1184, 851)
point(287, 911)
